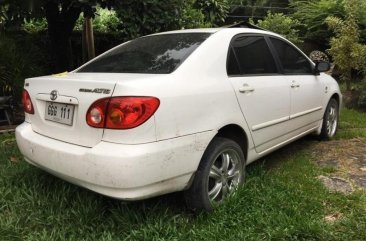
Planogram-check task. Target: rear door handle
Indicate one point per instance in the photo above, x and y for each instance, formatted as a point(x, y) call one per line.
point(294, 85)
point(246, 89)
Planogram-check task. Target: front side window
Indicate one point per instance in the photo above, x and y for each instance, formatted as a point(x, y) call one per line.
point(293, 62)
point(253, 55)
point(157, 54)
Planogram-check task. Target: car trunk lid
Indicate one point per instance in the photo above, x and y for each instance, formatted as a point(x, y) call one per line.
point(62, 101)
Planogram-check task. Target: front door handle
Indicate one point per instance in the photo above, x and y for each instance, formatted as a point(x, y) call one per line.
point(246, 89)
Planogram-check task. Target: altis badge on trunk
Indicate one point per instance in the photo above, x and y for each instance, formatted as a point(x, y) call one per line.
point(96, 90)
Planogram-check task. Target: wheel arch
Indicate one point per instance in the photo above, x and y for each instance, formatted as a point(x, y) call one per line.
point(337, 97)
point(236, 133)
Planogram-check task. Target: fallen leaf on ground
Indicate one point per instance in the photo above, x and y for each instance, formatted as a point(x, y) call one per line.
point(14, 159)
point(332, 217)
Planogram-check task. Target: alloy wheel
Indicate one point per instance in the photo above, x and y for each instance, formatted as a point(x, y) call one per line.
point(225, 175)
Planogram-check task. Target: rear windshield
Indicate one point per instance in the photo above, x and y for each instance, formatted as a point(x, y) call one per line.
point(158, 54)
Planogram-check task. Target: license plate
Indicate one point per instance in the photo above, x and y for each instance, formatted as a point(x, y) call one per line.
point(60, 113)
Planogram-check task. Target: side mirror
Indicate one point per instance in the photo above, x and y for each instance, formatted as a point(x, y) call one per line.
point(322, 66)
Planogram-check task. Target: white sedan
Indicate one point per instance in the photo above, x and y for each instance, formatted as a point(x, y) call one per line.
point(181, 110)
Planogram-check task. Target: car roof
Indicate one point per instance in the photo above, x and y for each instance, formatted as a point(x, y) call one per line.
point(229, 30)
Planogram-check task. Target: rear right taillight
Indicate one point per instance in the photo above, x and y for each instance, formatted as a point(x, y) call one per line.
point(121, 112)
point(27, 102)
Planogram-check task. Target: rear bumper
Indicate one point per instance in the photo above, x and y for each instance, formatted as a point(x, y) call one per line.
point(129, 172)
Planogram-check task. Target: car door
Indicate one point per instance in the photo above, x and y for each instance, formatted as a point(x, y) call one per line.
point(263, 94)
point(306, 88)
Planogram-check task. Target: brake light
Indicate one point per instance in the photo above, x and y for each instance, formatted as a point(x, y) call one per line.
point(121, 112)
point(27, 102)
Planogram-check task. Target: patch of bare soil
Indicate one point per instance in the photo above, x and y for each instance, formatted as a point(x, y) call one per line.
point(347, 158)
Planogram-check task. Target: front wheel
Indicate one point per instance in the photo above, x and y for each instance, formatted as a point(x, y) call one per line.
point(219, 174)
point(330, 120)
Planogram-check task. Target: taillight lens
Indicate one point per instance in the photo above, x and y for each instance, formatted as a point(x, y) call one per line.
point(95, 116)
point(27, 102)
point(121, 112)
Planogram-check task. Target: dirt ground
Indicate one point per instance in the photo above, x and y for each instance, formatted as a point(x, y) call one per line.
point(346, 160)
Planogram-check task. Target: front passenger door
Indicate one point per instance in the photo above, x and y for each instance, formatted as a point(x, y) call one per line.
point(263, 94)
point(306, 88)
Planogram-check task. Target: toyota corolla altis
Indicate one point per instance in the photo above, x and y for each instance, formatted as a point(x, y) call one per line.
point(181, 110)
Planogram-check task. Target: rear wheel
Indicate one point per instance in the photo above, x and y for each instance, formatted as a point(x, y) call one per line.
point(219, 174)
point(330, 120)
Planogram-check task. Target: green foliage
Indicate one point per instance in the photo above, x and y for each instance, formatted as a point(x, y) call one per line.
point(345, 49)
point(283, 25)
point(34, 25)
point(105, 21)
point(141, 17)
point(313, 14)
point(352, 124)
point(215, 11)
point(352, 119)
point(192, 18)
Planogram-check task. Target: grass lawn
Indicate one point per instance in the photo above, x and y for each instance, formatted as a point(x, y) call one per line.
point(281, 200)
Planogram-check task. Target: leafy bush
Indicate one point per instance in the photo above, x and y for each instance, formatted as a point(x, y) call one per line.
point(141, 17)
point(192, 18)
point(283, 25)
point(345, 49)
point(105, 21)
point(313, 14)
point(34, 25)
point(215, 11)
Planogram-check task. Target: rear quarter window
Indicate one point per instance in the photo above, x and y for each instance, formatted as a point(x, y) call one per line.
point(157, 54)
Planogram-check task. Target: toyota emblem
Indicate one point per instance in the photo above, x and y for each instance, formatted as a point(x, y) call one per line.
point(53, 95)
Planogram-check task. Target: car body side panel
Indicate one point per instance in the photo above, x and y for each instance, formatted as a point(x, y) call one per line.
point(199, 97)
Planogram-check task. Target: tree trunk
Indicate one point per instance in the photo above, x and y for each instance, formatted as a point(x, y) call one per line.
point(89, 39)
point(61, 23)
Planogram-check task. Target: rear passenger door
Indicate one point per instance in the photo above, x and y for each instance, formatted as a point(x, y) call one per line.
point(306, 88)
point(263, 93)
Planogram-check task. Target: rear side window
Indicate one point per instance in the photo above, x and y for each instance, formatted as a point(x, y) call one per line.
point(253, 55)
point(293, 62)
point(158, 54)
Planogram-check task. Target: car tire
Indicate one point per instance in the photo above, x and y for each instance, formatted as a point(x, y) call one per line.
point(220, 173)
point(330, 120)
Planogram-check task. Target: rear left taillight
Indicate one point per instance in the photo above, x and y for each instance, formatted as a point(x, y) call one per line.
point(121, 112)
point(27, 102)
